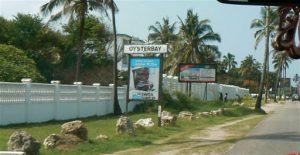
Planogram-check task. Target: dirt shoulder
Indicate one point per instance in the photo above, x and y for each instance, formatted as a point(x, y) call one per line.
point(216, 139)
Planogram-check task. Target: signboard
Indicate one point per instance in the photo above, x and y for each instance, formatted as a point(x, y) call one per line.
point(285, 82)
point(197, 73)
point(144, 78)
point(137, 49)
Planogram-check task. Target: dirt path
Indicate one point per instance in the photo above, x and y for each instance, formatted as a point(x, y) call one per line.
point(212, 140)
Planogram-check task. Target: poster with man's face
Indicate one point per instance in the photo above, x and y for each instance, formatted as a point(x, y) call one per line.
point(144, 78)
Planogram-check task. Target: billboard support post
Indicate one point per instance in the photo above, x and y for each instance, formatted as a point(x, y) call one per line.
point(160, 88)
point(205, 92)
point(127, 88)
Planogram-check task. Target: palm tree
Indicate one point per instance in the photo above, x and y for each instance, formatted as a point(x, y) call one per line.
point(78, 9)
point(117, 108)
point(265, 29)
point(75, 9)
point(281, 62)
point(193, 44)
point(229, 62)
point(162, 33)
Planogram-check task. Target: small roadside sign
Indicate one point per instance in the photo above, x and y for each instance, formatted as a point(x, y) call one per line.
point(141, 49)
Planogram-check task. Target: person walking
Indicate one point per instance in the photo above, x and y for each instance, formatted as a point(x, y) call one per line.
point(225, 97)
point(221, 96)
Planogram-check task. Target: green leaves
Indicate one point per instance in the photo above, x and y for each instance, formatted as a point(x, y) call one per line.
point(15, 65)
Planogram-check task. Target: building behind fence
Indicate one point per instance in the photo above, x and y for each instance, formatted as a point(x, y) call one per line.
point(28, 102)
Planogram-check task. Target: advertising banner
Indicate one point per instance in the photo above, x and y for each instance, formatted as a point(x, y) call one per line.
point(144, 78)
point(197, 73)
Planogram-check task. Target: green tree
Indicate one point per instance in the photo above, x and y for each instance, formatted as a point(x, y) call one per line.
point(229, 61)
point(250, 70)
point(281, 62)
point(15, 65)
point(5, 27)
point(193, 45)
point(196, 36)
point(78, 9)
point(43, 45)
point(162, 33)
point(266, 26)
point(97, 35)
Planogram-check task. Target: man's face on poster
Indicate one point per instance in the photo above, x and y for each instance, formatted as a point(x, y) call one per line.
point(141, 79)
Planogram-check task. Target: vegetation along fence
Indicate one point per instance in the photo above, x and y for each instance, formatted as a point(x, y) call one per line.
point(28, 102)
point(198, 90)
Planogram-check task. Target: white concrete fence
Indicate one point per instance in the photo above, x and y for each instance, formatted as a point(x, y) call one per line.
point(36, 102)
point(28, 102)
point(171, 84)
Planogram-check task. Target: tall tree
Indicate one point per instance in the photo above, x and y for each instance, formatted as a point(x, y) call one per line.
point(266, 26)
point(78, 9)
point(194, 43)
point(162, 33)
point(75, 9)
point(196, 36)
point(229, 61)
point(281, 62)
point(43, 45)
point(117, 109)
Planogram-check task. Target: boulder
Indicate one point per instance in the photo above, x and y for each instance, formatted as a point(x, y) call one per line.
point(168, 118)
point(22, 141)
point(124, 124)
point(54, 140)
point(185, 115)
point(147, 122)
point(76, 128)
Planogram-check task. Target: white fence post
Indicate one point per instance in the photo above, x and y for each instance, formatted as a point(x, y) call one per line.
point(56, 98)
point(79, 97)
point(27, 81)
point(97, 85)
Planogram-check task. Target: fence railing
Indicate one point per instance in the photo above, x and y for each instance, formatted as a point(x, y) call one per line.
point(28, 102)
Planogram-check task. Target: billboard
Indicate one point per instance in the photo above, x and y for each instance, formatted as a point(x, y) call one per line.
point(144, 78)
point(197, 73)
point(285, 82)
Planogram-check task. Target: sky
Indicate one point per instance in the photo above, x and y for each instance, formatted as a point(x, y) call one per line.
point(232, 22)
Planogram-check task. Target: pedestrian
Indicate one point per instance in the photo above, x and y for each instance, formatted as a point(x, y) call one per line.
point(221, 96)
point(225, 97)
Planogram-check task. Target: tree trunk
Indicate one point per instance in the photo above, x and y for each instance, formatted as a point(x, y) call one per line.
point(267, 81)
point(266, 55)
point(276, 84)
point(81, 45)
point(117, 109)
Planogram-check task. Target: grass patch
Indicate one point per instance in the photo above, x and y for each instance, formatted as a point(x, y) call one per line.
point(106, 125)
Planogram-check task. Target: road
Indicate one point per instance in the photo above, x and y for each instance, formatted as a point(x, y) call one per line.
point(279, 134)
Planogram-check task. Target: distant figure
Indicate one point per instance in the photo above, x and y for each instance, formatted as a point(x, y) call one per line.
point(225, 97)
point(221, 96)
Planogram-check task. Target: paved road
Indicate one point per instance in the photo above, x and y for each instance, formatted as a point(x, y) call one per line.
point(279, 134)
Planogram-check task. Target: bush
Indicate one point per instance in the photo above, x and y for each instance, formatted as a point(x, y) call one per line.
point(15, 65)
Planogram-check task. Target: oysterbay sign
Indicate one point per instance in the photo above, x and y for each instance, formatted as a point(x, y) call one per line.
point(137, 49)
